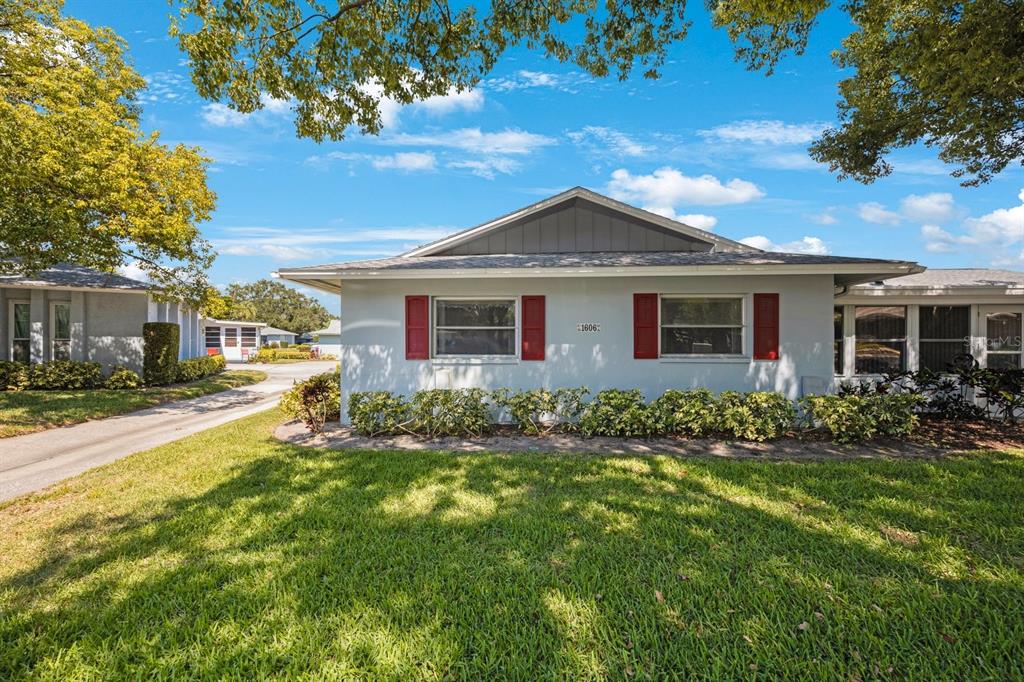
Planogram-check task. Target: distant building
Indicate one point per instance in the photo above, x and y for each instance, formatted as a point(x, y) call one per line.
point(273, 335)
point(328, 340)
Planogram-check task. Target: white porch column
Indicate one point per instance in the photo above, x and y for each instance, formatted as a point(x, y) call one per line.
point(78, 325)
point(38, 315)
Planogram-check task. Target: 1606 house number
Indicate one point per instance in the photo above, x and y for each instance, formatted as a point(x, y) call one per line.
point(588, 327)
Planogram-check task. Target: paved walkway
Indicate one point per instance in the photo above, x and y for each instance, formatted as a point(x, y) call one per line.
point(36, 460)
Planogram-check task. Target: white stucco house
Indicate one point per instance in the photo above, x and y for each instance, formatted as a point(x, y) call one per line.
point(580, 289)
point(70, 312)
point(273, 335)
point(234, 339)
point(327, 341)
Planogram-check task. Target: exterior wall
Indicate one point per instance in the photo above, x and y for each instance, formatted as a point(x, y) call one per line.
point(581, 228)
point(373, 341)
point(277, 338)
point(330, 344)
point(114, 328)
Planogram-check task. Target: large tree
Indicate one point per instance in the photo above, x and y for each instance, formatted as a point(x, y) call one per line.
point(79, 180)
point(946, 73)
point(274, 303)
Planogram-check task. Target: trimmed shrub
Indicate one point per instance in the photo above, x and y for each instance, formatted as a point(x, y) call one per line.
point(122, 378)
point(618, 413)
point(302, 347)
point(856, 418)
point(315, 401)
point(377, 413)
point(757, 416)
point(65, 375)
point(160, 352)
point(194, 369)
point(540, 411)
point(450, 412)
point(13, 376)
point(272, 354)
point(687, 413)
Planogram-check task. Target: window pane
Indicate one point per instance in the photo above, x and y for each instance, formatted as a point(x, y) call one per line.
point(1003, 331)
point(476, 341)
point(875, 357)
point(213, 337)
point(1003, 360)
point(20, 351)
point(61, 350)
point(880, 322)
point(945, 322)
point(723, 311)
point(476, 313)
point(837, 335)
point(21, 320)
point(837, 322)
point(937, 355)
point(230, 337)
point(62, 321)
point(837, 357)
point(699, 340)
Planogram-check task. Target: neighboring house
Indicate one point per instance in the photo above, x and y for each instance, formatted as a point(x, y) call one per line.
point(927, 320)
point(327, 341)
point(273, 335)
point(233, 339)
point(70, 312)
point(583, 290)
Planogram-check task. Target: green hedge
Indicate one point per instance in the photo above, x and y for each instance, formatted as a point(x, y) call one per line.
point(856, 418)
point(160, 352)
point(271, 354)
point(58, 375)
point(198, 368)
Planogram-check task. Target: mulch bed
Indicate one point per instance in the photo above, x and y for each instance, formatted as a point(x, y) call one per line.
point(971, 435)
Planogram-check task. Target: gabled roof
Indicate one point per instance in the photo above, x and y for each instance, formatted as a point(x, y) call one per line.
point(717, 242)
point(274, 331)
point(68, 276)
point(334, 327)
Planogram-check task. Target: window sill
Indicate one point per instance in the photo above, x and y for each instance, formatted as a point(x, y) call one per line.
point(476, 360)
point(737, 359)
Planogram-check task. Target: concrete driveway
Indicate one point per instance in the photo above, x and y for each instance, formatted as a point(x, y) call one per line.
point(34, 461)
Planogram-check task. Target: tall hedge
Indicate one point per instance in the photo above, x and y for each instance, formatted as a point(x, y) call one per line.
point(160, 352)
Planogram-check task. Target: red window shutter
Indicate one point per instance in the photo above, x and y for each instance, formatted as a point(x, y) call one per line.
point(766, 326)
point(645, 326)
point(533, 328)
point(417, 327)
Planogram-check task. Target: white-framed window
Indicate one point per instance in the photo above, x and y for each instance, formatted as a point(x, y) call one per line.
point(1003, 330)
point(211, 336)
point(944, 332)
point(60, 330)
point(249, 337)
point(19, 331)
point(230, 337)
point(881, 333)
point(475, 326)
point(701, 325)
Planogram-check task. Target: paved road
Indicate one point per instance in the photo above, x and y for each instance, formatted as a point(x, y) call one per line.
point(36, 460)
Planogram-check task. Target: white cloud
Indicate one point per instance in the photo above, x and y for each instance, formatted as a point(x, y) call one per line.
point(765, 132)
point(787, 161)
point(524, 79)
point(998, 235)
point(937, 207)
point(134, 271)
point(508, 141)
point(666, 188)
point(275, 251)
point(609, 139)
point(487, 167)
point(823, 218)
point(223, 116)
point(467, 100)
point(698, 220)
point(165, 86)
point(809, 245)
point(874, 212)
point(406, 161)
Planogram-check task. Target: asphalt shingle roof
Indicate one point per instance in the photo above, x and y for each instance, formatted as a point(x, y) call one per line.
point(591, 260)
point(66, 275)
point(956, 278)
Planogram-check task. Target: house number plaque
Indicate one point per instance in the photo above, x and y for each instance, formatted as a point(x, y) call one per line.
point(588, 327)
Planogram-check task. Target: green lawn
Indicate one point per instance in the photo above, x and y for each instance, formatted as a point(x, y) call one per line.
point(229, 554)
point(27, 411)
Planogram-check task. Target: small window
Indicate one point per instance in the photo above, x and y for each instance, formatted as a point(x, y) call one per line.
point(474, 327)
point(230, 337)
point(1003, 339)
point(701, 326)
point(60, 331)
point(212, 337)
point(945, 332)
point(248, 337)
point(838, 364)
point(20, 326)
point(881, 339)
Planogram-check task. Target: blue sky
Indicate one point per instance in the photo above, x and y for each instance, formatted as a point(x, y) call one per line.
point(711, 143)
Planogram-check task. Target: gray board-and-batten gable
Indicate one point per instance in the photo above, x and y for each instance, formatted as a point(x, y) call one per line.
point(580, 227)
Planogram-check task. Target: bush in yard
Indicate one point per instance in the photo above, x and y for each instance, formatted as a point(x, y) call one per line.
point(618, 413)
point(1002, 389)
point(195, 369)
point(687, 413)
point(122, 378)
point(450, 412)
point(13, 376)
point(856, 418)
point(377, 413)
point(160, 352)
point(273, 354)
point(540, 410)
point(757, 416)
point(315, 401)
point(64, 375)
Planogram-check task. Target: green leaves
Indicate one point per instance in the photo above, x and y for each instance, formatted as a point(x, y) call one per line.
point(79, 181)
point(271, 302)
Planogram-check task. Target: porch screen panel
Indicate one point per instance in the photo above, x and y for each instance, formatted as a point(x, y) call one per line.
point(837, 340)
point(230, 337)
point(945, 332)
point(21, 345)
point(881, 339)
point(1003, 340)
point(212, 337)
point(248, 337)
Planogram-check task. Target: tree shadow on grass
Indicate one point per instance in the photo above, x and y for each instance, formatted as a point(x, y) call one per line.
point(407, 565)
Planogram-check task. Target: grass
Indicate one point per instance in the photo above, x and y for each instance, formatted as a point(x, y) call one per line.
point(231, 555)
point(24, 412)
